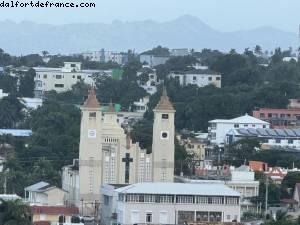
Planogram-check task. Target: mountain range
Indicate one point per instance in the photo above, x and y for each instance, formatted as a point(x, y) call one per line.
point(184, 32)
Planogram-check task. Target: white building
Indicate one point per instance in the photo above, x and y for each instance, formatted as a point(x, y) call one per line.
point(153, 60)
point(42, 193)
point(62, 79)
point(70, 182)
point(179, 52)
point(153, 81)
point(219, 128)
point(269, 138)
point(141, 105)
point(31, 103)
point(2, 94)
point(199, 77)
point(170, 203)
point(106, 56)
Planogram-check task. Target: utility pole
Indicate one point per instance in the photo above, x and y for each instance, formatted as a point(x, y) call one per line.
point(266, 200)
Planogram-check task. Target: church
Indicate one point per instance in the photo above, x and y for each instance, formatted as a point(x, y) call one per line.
point(107, 154)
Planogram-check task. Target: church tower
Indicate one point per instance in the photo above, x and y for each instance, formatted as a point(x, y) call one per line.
point(163, 147)
point(90, 153)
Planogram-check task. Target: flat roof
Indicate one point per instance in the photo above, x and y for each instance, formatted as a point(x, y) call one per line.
point(16, 132)
point(207, 189)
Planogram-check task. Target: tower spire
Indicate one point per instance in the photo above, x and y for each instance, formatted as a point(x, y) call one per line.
point(164, 102)
point(91, 101)
point(111, 106)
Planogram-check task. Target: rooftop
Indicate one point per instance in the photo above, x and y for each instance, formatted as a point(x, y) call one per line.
point(210, 189)
point(164, 102)
point(197, 72)
point(242, 119)
point(261, 132)
point(16, 132)
point(91, 101)
point(37, 187)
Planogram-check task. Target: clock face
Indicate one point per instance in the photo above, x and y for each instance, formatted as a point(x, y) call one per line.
point(92, 133)
point(164, 135)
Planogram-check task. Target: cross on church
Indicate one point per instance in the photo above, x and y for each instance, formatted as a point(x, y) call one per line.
point(127, 160)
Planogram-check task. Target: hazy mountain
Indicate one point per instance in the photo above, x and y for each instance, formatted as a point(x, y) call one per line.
point(186, 31)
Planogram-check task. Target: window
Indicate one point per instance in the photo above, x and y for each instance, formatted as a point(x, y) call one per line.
point(106, 200)
point(78, 77)
point(245, 125)
point(210, 78)
point(269, 115)
point(264, 126)
point(149, 217)
point(262, 115)
point(165, 116)
point(58, 76)
point(290, 141)
point(194, 78)
point(228, 217)
point(73, 76)
point(236, 126)
point(218, 78)
point(277, 141)
point(58, 85)
point(92, 114)
point(45, 76)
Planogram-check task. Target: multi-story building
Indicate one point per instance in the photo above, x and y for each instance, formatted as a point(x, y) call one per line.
point(170, 203)
point(219, 128)
point(199, 77)
point(62, 79)
point(151, 83)
point(196, 147)
point(179, 52)
point(106, 56)
point(288, 139)
point(153, 60)
point(279, 118)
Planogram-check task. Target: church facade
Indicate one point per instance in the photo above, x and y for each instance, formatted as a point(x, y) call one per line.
point(107, 154)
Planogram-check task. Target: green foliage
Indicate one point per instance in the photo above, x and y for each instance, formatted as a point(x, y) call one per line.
point(11, 112)
point(14, 212)
point(26, 88)
point(288, 183)
point(158, 51)
point(8, 84)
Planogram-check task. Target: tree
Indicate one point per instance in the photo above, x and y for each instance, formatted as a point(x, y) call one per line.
point(14, 212)
point(258, 50)
point(242, 150)
point(158, 51)
point(11, 112)
point(8, 84)
point(26, 88)
point(288, 183)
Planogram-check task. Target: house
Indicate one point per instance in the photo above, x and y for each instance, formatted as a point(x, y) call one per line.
point(141, 105)
point(279, 118)
point(44, 194)
point(276, 174)
point(287, 139)
point(52, 214)
point(171, 203)
point(294, 104)
point(219, 128)
point(150, 85)
point(106, 56)
point(199, 77)
point(153, 60)
point(196, 147)
point(62, 79)
point(31, 103)
point(258, 166)
point(2, 94)
point(70, 182)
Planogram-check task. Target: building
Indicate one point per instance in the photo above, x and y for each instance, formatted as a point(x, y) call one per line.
point(16, 132)
point(258, 166)
point(179, 52)
point(108, 156)
point(103, 56)
point(196, 147)
point(52, 214)
point(151, 83)
point(171, 203)
point(199, 77)
point(294, 104)
point(153, 60)
point(219, 128)
point(141, 105)
point(279, 118)
point(62, 79)
point(287, 139)
point(31, 103)
point(296, 195)
point(44, 194)
point(2, 94)
point(276, 174)
point(70, 182)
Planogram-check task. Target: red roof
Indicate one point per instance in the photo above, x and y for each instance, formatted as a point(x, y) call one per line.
point(54, 210)
point(41, 223)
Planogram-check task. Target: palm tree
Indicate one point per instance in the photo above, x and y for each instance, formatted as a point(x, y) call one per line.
point(14, 212)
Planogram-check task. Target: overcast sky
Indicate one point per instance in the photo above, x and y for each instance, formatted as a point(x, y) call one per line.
point(224, 15)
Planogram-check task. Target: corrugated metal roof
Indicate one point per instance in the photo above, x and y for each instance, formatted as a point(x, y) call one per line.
point(16, 132)
point(179, 189)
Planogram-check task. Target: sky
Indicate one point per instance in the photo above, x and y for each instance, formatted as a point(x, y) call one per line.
point(223, 15)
